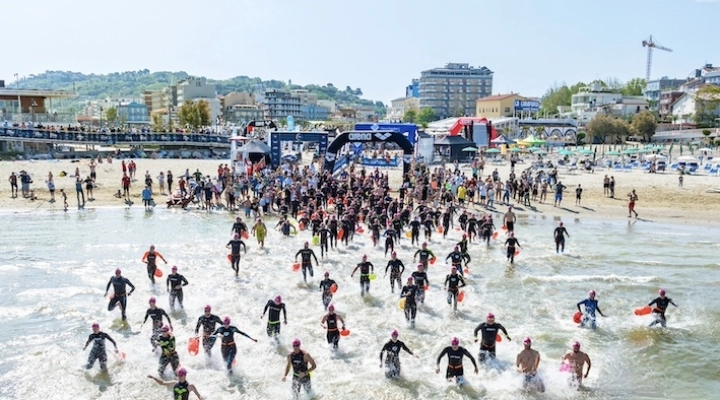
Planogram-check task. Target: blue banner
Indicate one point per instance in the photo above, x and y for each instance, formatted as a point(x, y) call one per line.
point(381, 162)
point(408, 130)
point(276, 138)
point(527, 105)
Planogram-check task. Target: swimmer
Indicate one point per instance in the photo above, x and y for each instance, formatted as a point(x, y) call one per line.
point(156, 314)
point(150, 257)
point(453, 283)
point(456, 257)
point(577, 360)
point(489, 331)
point(392, 361)
point(306, 255)
point(527, 362)
point(234, 245)
point(591, 305)
point(259, 230)
point(298, 360)
point(326, 289)
point(421, 280)
point(455, 355)
point(329, 322)
point(98, 350)
point(661, 304)
point(208, 321)
point(425, 255)
point(409, 293)
point(227, 336)
point(120, 294)
point(560, 233)
point(169, 354)
point(181, 388)
point(273, 325)
point(366, 268)
point(396, 269)
point(510, 244)
point(175, 283)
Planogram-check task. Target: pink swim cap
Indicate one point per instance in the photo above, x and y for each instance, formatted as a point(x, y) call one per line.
point(661, 292)
point(278, 299)
point(226, 321)
point(331, 307)
point(174, 268)
point(182, 372)
point(152, 300)
point(410, 278)
point(455, 341)
point(527, 341)
point(327, 273)
point(165, 329)
point(296, 343)
point(576, 345)
point(95, 325)
point(208, 308)
point(394, 333)
point(591, 293)
point(118, 272)
point(491, 316)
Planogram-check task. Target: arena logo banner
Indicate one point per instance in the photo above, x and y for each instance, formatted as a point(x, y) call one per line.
point(276, 139)
point(372, 136)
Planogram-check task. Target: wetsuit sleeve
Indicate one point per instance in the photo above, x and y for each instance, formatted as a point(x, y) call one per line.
point(90, 340)
point(284, 312)
point(651, 303)
point(238, 331)
point(266, 307)
point(197, 327)
point(463, 281)
point(372, 267)
point(314, 256)
point(228, 244)
point(466, 256)
point(406, 349)
point(448, 256)
point(160, 255)
point(502, 328)
point(298, 253)
point(414, 256)
point(108, 285)
point(185, 282)
point(130, 284)
point(432, 255)
point(106, 336)
point(401, 266)
point(147, 314)
point(388, 266)
point(445, 350)
point(468, 355)
point(243, 246)
point(217, 331)
point(447, 279)
point(475, 332)
point(517, 242)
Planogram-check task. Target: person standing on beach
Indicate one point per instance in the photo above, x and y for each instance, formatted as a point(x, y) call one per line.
point(632, 198)
point(64, 197)
point(169, 178)
point(13, 185)
point(120, 294)
point(181, 388)
point(560, 233)
point(126, 187)
point(578, 195)
point(51, 189)
point(150, 258)
point(577, 360)
point(79, 192)
point(559, 193)
point(147, 198)
point(606, 186)
point(612, 187)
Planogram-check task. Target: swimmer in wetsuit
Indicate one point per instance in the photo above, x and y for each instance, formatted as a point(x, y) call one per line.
point(326, 289)
point(391, 235)
point(98, 350)
point(208, 322)
point(324, 233)
point(227, 337)
point(510, 243)
point(396, 269)
point(591, 305)
point(409, 292)
point(169, 355)
point(181, 388)
point(455, 355)
point(175, 283)
point(456, 258)
point(150, 258)
point(275, 306)
point(366, 268)
point(489, 331)
point(661, 304)
point(560, 233)
point(329, 322)
point(119, 284)
point(234, 245)
point(392, 360)
point(453, 283)
point(306, 253)
point(156, 314)
point(425, 255)
point(298, 360)
point(421, 281)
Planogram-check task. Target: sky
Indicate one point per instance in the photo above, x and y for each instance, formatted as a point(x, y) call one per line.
point(377, 45)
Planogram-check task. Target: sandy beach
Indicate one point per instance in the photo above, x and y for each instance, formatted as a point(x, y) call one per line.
point(660, 197)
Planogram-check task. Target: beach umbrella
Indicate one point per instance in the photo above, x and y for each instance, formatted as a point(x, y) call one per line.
point(644, 151)
point(585, 151)
point(492, 150)
point(613, 153)
point(515, 150)
point(705, 149)
point(534, 149)
point(566, 152)
point(541, 152)
point(470, 149)
point(630, 151)
point(531, 140)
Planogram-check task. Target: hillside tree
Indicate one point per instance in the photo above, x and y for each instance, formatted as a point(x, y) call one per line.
point(194, 114)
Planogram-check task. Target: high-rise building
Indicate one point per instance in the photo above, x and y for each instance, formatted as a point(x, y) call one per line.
point(452, 91)
point(413, 89)
point(279, 104)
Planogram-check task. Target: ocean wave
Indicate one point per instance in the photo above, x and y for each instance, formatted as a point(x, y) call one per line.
point(581, 278)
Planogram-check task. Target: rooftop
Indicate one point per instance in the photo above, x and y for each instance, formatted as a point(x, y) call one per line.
point(499, 97)
point(5, 91)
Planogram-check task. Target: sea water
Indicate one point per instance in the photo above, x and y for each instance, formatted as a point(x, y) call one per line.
point(54, 267)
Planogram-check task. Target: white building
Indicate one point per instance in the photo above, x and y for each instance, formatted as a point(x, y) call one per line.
point(591, 97)
point(398, 107)
point(331, 105)
point(683, 109)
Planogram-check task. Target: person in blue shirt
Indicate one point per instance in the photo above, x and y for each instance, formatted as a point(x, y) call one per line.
point(147, 198)
point(591, 305)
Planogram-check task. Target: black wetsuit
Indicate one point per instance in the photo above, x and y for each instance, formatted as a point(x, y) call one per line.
point(488, 337)
point(228, 349)
point(333, 333)
point(156, 315)
point(425, 256)
point(169, 353)
point(454, 283)
point(208, 325)
point(324, 233)
point(273, 324)
point(421, 280)
point(511, 242)
point(391, 235)
point(456, 259)
point(181, 391)
point(98, 350)
point(365, 268)
point(409, 292)
point(455, 366)
point(661, 305)
point(396, 269)
point(306, 256)
point(392, 357)
point(175, 282)
point(299, 365)
point(119, 284)
point(327, 294)
point(235, 245)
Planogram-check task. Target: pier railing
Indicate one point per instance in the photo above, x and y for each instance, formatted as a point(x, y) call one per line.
point(111, 139)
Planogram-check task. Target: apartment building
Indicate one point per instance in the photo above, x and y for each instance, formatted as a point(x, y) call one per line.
point(453, 90)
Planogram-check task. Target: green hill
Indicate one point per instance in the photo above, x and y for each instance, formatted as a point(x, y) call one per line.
point(133, 83)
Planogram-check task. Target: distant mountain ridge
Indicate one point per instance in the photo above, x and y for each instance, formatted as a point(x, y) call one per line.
point(133, 83)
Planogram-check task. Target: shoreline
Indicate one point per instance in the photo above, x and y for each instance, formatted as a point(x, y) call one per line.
point(660, 197)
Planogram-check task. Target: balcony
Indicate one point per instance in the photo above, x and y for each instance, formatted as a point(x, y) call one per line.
point(39, 118)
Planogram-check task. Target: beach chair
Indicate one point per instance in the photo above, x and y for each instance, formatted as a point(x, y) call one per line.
point(692, 170)
point(707, 167)
point(714, 170)
point(628, 168)
point(618, 168)
point(673, 166)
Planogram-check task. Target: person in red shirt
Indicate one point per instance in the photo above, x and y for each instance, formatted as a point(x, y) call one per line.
point(126, 186)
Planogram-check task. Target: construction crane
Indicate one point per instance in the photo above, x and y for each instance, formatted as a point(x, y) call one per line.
point(651, 44)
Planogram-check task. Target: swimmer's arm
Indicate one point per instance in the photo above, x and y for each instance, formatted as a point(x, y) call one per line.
point(587, 359)
point(164, 383)
point(110, 339)
point(537, 361)
point(131, 285)
point(184, 281)
point(308, 358)
point(194, 390)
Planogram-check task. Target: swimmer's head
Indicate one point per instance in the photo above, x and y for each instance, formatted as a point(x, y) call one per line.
point(226, 321)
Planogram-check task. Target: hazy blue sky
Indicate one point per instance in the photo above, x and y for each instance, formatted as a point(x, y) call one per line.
point(377, 45)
